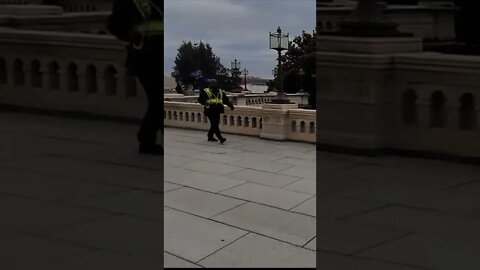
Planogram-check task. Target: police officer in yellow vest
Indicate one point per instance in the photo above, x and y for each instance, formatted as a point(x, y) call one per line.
point(213, 100)
point(140, 23)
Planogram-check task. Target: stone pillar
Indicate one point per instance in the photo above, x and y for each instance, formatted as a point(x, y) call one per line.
point(82, 81)
point(10, 76)
point(452, 117)
point(355, 77)
point(275, 124)
point(423, 106)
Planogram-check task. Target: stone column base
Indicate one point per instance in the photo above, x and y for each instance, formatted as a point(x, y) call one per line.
point(275, 123)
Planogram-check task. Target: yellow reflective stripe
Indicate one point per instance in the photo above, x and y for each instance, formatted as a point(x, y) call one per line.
point(144, 7)
point(209, 93)
point(211, 98)
point(153, 28)
point(214, 100)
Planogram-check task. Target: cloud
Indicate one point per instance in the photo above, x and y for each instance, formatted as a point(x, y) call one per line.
point(235, 28)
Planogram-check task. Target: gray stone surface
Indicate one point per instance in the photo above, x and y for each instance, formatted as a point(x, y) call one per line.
point(258, 251)
point(282, 198)
point(308, 208)
point(397, 213)
point(430, 253)
point(74, 194)
point(195, 238)
point(170, 261)
point(264, 178)
point(199, 202)
point(280, 224)
point(237, 189)
point(307, 186)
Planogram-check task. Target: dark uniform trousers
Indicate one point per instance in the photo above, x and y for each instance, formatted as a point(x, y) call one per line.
point(148, 66)
point(214, 118)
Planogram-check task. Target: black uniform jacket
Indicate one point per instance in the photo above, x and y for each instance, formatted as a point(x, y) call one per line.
point(202, 99)
point(122, 23)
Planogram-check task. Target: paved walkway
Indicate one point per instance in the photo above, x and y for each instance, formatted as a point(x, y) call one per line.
point(248, 203)
point(74, 194)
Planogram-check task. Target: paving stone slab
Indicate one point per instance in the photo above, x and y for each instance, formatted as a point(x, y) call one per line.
point(173, 173)
point(262, 156)
point(260, 165)
point(426, 221)
point(307, 163)
point(264, 178)
point(101, 260)
point(333, 207)
point(406, 176)
point(93, 171)
point(208, 182)
point(178, 160)
point(28, 252)
point(52, 188)
point(211, 167)
point(169, 187)
point(118, 234)
point(312, 245)
point(170, 261)
point(429, 253)
point(401, 194)
point(280, 224)
point(277, 197)
point(41, 217)
point(219, 158)
point(308, 208)
point(199, 202)
point(336, 261)
point(194, 238)
point(472, 188)
point(258, 251)
point(300, 172)
point(307, 186)
point(349, 238)
point(135, 203)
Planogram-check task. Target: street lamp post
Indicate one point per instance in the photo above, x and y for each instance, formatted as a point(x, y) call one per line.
point(279, 42)
point(245, 73)
point(301, 72)
point(235, 65)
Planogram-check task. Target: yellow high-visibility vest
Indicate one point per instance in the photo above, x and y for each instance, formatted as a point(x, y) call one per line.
point(149, 27)
point(212, 99)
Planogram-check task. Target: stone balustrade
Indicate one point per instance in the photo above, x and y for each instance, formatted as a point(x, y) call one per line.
point(244, 120)
point(67, 71)
point(254, 100)
point(386, 94)
point(85, 73)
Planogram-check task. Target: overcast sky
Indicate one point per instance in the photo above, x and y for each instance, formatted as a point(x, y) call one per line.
point(235, 28)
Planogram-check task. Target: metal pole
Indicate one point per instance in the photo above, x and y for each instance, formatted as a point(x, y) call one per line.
point(302, 83)
point(245, 80)
point(280, 73)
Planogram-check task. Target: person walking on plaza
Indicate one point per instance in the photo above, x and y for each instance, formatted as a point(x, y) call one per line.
point(213, 100)
point(140, 23)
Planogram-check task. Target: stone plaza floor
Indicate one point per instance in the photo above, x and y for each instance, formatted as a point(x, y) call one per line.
point(74, 194)
point(247, 203)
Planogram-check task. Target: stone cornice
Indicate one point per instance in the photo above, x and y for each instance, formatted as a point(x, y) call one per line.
point(438, 62)
point(27, 37)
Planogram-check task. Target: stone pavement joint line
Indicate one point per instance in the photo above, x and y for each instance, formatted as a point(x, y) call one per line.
point(67, 204)
point(256, 205)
